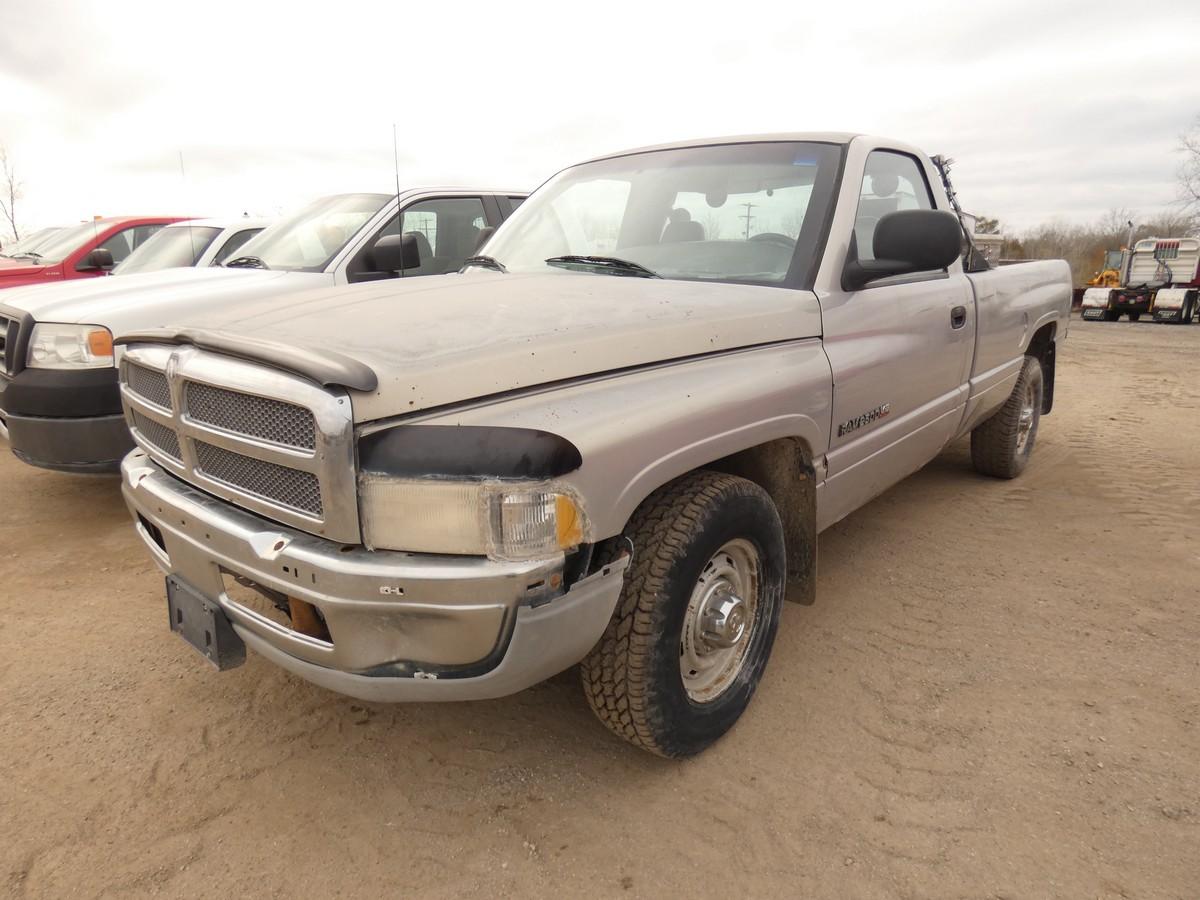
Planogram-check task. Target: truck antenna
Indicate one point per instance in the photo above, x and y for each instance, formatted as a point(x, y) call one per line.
point(191, 234)
point(396, 169)
point(972, 256)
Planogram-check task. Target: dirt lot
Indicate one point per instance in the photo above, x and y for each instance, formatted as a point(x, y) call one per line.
point(996, 695)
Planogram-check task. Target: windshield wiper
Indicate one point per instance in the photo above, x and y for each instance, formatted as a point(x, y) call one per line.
point(603, 264)
point(28, 254)
point(246, 262)
point(486, 262)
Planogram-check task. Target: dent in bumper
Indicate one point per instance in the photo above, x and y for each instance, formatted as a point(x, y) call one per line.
point(403, 626)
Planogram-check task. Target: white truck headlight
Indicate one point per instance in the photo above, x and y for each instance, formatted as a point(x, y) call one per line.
point(474, 518)
point(60, 346)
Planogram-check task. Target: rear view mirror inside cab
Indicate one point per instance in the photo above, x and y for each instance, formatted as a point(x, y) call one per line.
point(906, 241)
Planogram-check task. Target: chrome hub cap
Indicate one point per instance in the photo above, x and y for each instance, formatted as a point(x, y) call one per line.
point(719, 624)
point(1025, 419)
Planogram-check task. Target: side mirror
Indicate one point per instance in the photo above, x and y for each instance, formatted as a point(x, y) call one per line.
point(99, 260)
point(908, 240)
point(485, 234)
point(394, 252)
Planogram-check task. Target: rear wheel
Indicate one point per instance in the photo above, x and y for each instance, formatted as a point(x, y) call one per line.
point(1133, 317)
point(693, 629)
point(1002, 445)
point(1110, 316)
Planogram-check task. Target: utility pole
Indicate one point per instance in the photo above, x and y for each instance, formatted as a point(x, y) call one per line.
point(749, 218)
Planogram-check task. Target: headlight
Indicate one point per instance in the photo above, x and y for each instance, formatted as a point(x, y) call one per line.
point(54, 346)
point(475, 490)
point(495, 519)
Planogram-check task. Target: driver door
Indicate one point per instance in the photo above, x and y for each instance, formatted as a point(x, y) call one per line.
point(900, 351)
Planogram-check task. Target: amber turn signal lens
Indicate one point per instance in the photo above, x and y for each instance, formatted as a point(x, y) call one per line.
point(100, 342)
point(568, 522)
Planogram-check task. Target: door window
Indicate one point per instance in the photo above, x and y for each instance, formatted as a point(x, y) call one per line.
point(891, 181)
point(447, 231)
point(125, 241)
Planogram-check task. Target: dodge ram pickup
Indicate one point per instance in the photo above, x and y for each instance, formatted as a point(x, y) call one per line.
point(612, 439)
point(59, 403)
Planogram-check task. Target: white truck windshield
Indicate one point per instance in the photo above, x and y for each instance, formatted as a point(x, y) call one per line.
point(169, 248)
point(308, 240)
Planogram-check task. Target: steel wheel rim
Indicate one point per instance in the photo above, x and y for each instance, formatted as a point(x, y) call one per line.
point(721, 621)
point(1025, 419)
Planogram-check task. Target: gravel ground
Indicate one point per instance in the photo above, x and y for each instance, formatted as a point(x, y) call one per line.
point(997, 694)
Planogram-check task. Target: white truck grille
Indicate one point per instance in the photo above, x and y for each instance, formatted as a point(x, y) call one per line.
point(270, 442)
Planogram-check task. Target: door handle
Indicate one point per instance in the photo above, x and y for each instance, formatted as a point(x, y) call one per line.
point(958, 317)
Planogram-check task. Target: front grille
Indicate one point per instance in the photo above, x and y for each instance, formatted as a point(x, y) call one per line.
point(160, 436)
point(260, 417)
point(279, 484)
point(269, 441)
point(148, 384)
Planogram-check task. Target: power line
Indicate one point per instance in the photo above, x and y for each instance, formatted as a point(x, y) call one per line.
point(749, 218)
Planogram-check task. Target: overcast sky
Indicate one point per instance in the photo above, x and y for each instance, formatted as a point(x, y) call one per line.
point(1052, 110)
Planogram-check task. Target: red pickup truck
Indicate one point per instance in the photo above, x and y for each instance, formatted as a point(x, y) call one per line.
point(81, 251)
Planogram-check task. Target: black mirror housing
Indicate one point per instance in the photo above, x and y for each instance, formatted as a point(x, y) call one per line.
point(908, 240)
point(394, 252)
point(98, 260)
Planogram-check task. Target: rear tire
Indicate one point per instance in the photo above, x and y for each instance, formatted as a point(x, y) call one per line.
point(1110, 316)
point(1001, 446)
point(1133, 317)
point(693, 629)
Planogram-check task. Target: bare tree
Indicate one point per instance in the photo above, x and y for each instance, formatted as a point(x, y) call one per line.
point(11, 190)
point(1189, 169)
point(987, 225)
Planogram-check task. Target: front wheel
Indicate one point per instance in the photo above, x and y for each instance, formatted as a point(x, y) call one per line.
point(693, 629)
point(1133, 317)
point(1110, 316)
point(1001, 446)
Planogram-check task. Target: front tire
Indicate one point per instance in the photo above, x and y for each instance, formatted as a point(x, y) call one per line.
point(693, 629)
point(1001, 446)
point(1133, 317)
point(1110, 316)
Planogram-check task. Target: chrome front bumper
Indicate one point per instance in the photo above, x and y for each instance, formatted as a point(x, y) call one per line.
point(402, 626)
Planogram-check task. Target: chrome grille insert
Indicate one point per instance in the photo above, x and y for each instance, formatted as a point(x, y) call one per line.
point(159, 435)
point(260, 417)
point(268, 441)
point(279, 484)
point(148, 384)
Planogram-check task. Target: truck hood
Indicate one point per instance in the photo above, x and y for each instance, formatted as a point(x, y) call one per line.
point(438, 340)
point(124, 302)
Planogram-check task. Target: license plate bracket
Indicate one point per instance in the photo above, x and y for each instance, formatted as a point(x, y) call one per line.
point(201, 622)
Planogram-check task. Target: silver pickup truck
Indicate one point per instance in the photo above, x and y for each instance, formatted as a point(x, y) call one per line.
point(612, 439)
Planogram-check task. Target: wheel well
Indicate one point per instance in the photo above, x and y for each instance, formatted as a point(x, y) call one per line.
point(784, 469)
point(1042, 347)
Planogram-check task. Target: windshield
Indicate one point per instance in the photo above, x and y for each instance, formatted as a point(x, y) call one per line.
point(30, 241)
point(736, 212)
point(308, 240)
point(169, 248)
point(67, 241)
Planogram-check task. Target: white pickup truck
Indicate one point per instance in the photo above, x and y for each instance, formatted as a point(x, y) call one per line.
point(59, 405)
point(613, 439)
